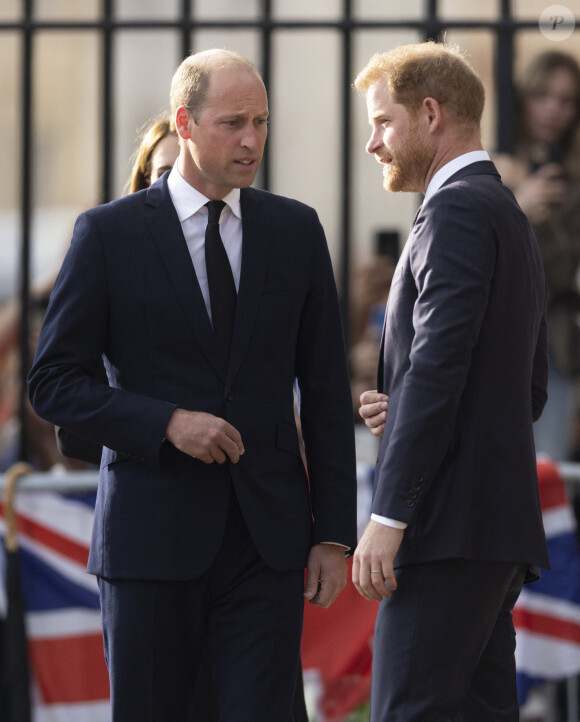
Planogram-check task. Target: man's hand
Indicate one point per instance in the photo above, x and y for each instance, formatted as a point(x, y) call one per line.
point(372, 569)
point(325, 574)
point(373, 411)
point(204, 436)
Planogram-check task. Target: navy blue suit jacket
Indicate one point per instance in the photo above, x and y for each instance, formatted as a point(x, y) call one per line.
point(465, 365)
point(128, 293)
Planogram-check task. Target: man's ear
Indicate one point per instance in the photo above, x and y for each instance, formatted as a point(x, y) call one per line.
point(432, 111)
point(182, 118)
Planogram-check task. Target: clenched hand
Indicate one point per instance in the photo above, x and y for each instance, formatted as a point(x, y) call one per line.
point(373, 411)
point(204, 436)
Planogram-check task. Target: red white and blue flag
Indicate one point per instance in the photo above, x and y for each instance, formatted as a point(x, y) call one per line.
point(547, 614)
point(69, 676)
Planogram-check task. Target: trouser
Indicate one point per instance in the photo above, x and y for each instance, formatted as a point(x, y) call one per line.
point(248, 615)
point(444, 644)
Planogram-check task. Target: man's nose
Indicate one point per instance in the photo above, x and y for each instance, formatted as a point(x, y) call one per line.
point(250, 137)
point(375, 142)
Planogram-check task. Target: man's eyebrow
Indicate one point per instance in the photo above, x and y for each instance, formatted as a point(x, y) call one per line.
point(243, 113)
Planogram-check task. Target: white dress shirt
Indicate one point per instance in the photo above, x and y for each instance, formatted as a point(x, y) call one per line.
point(192, 213)
point(435, 183)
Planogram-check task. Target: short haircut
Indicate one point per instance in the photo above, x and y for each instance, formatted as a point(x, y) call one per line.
point(427, 70)
point(190, 82)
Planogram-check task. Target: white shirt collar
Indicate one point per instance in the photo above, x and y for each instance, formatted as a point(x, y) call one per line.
point(452, 167)
point(188, 201)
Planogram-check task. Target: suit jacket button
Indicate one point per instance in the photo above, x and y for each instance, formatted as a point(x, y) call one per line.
point(230, 397)
point(410, 503)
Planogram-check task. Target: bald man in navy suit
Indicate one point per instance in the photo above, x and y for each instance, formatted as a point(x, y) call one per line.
point(205, 515)
point(456, 525)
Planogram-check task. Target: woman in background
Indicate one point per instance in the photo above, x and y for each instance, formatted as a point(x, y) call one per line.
point(156, 153)
point(544, 173)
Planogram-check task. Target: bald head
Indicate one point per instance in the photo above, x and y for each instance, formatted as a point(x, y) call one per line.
point(190, 83)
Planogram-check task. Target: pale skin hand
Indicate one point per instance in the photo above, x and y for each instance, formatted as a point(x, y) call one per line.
point(325, 574)
point(204, 436)
point(373, 411)
point(376, 551)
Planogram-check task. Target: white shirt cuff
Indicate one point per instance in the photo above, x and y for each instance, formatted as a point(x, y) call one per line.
point(389, 522)
point(337, 544)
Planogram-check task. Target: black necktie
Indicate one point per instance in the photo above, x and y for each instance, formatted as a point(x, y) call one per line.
point(222, 289)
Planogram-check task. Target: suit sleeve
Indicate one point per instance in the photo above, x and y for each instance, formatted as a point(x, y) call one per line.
point(63, 382)
point(326, 403)
point(452, 261)
point(540, 373)
point(75, 447)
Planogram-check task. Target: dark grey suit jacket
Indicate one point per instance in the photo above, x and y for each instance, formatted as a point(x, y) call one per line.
point(128, 292)
point(465, 365)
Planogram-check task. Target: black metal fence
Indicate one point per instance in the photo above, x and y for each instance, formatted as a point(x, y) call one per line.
point(28, 27)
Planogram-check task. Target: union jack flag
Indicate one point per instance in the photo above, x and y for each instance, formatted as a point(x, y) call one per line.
point(547, 614)
point(69, 676)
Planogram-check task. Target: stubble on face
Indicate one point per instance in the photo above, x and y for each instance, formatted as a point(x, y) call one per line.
point(410, 161)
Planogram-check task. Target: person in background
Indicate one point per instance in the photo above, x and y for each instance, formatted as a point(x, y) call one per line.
point(43, 452)
point(205, 516)
point(456, 525)
point(544, 173)
point(155, 155)
point(369, 292)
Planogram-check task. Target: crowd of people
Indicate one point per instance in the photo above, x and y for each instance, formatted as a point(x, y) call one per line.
point(544, 174)
point(474, 305)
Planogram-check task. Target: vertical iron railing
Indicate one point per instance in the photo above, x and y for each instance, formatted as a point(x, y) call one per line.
point(107, 102)
point(504, 79)
point(26, 205)
point(266, 70)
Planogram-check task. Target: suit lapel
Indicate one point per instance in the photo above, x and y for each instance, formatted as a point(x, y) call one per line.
point(255, 253)
point(168, 238)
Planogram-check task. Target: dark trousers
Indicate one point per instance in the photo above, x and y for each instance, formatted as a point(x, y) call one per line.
point(444, 644)
point(248, 615)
